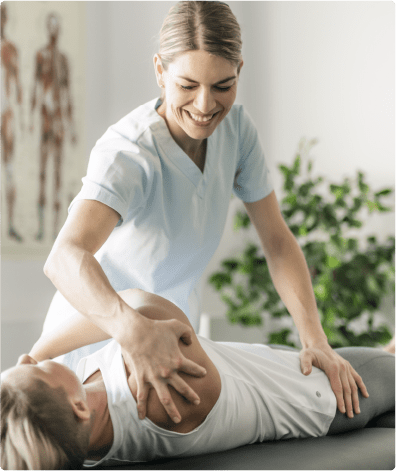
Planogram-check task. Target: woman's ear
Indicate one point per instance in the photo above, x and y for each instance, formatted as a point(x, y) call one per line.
point(240, 66)
point(80, 409)
point(158, 68)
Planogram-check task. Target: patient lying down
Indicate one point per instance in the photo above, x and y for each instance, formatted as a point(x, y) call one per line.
point(52, 418)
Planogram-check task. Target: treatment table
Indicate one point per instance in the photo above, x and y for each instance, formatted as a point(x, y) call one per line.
point(370, 448)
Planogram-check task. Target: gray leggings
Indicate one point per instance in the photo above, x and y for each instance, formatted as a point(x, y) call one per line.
point(377, 369)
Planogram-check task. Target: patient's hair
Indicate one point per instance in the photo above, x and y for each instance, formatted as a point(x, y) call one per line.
point(39, 429)
point(208, 26)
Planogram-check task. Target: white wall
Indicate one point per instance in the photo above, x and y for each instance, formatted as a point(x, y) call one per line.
point(322, 70)
point(314, 69)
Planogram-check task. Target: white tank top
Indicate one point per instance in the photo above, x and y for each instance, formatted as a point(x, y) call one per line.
point(264, 396)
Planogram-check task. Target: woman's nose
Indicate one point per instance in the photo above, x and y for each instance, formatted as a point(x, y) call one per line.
point(204, 101)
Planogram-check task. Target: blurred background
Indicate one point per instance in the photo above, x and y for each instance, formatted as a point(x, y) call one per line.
point(314, 70)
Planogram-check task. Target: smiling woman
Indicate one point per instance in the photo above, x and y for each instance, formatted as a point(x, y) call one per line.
point(198, 67)
point(192, 112)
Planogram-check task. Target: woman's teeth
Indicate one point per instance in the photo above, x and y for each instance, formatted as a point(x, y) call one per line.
point(200, 119)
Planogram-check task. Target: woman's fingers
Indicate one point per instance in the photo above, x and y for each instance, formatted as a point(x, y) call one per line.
point(172, 378)
point(355, 396)
point(162, 389)
point(191, 368)
point(161, 385)
point(184, 389)
point(347, 391)
point(141, 396)
point(156, 359)
point(166, 400)
point(350, 382)
point(337, 387)
point(344, 380)
point(359, 381)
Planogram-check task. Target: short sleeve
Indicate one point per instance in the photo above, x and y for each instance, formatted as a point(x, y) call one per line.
point(252, 180)
point(119, 175)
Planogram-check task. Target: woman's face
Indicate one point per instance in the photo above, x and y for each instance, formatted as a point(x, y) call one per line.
point(53, 373)
point(200, 90)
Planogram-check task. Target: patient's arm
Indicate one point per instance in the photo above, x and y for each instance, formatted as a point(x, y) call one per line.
point(77, 331)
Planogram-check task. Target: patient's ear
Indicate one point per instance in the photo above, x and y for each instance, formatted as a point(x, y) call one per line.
point(80, 409)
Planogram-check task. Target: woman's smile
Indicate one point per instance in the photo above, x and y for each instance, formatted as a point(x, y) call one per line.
point(201, 120)
point(200, 91)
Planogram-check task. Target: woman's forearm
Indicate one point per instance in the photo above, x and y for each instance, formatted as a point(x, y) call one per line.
point(79, 277)
point(291, 278)
point(77, 331)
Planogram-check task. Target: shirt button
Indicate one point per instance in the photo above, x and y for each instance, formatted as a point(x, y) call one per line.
point(318, 394)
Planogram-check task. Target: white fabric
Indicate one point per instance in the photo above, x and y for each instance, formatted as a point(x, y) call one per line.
point(172, 215)
point(264, 396)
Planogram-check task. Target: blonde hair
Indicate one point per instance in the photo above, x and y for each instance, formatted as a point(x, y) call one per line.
point(208, 26)
point(39, 429)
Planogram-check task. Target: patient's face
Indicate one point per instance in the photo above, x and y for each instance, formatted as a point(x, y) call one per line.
point(53, 373)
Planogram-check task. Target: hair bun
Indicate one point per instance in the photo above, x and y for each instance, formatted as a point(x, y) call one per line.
point(209, 1)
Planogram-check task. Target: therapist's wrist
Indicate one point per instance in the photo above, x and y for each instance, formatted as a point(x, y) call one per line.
point(314, 340)
point(126, 322)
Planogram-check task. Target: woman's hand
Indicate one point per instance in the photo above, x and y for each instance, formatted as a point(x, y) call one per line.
point(344, 380)
point(152, 352)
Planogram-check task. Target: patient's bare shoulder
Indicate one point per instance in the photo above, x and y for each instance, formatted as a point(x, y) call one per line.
point(142, 300)
point(207, 388)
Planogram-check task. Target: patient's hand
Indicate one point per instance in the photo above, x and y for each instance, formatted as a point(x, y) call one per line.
point(38, 351)
point(26, 359)
point(151, 351)
point(344, 380)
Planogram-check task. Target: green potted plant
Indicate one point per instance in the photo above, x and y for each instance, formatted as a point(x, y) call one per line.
point(350, 277)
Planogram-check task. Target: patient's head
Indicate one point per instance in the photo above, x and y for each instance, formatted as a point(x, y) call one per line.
point(45, 419)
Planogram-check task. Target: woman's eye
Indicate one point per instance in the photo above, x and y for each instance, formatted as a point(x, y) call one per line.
point(219, 89)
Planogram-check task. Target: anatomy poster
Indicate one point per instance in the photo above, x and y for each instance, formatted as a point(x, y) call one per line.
point(42, 121)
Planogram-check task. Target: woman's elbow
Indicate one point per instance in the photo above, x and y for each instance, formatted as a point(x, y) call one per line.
point(49, 266)
point(53, 265)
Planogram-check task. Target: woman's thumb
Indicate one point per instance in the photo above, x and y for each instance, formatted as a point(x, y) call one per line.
point(306, 370)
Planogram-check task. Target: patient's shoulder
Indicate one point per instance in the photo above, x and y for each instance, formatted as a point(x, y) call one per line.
point(208, 389)
point(153, 306)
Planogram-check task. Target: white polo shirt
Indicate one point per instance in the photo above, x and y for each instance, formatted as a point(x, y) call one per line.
point(172, 215)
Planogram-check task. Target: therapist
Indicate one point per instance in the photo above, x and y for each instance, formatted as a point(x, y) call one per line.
point(152, 209)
